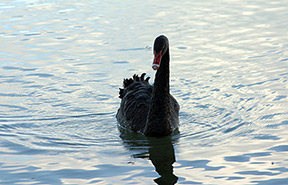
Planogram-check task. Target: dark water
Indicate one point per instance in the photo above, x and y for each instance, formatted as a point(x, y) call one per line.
point(62, 62)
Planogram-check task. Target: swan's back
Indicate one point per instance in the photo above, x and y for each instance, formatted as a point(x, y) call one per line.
point(135, 104)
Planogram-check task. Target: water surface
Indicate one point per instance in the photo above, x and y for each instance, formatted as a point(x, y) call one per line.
point(61, 64)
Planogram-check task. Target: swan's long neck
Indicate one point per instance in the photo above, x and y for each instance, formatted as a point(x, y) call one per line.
point(161, 82)
point(159, 117)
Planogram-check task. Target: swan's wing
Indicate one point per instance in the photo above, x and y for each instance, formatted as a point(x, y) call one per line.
point(135, 103)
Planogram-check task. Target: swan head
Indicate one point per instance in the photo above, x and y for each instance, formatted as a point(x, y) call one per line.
point(161, 45)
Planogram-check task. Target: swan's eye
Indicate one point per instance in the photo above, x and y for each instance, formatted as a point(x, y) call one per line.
point(159, 49)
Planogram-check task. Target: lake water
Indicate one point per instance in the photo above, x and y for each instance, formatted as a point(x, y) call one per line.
point(62, 62)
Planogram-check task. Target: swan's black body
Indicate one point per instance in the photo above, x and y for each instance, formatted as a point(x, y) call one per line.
point(147, 109)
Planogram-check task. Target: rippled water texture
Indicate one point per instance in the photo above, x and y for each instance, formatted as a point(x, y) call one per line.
point(62, 62)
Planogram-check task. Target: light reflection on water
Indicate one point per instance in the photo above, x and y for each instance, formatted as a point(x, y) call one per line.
point(61, 64)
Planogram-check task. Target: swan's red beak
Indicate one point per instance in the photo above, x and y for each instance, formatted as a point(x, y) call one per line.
point(157, 60)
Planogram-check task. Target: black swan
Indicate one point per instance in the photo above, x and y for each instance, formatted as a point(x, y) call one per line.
point(146, 109)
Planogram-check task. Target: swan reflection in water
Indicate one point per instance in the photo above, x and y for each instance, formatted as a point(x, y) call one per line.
point(159, 151)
